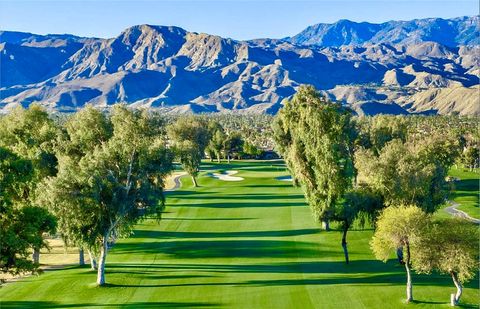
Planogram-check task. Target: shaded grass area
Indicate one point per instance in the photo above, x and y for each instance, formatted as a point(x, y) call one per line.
point(246, 244)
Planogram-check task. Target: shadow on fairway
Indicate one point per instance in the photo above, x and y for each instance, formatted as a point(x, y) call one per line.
point(225, 248)
point(444, 303)
point(280, 185)
point(243, 205)
point(258, 197)
point(46, 304)
point(209, 219)
point(169, 234)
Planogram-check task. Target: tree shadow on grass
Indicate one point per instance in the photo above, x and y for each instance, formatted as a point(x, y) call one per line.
point(47, 304)
point(257, 196)
point(243, 205)
point(314, 267)
point(209, 219)
point(171, 234)
point(444, 303)
point(280, 185)
point(223, 249)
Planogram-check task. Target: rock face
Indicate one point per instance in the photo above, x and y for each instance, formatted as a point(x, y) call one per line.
point(395, 67)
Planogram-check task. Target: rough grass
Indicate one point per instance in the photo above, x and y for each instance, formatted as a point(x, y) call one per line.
point(246, 244)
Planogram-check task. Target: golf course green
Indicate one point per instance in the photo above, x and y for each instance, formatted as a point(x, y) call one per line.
point(236, 244)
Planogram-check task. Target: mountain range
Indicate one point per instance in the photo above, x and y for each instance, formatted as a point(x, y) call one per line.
point(424, 66)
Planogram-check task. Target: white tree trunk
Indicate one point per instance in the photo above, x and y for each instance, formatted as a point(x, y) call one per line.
point(228, 158)
point(455, 298)
point(81, 257)
point(36, 256)
point(101, 262)
point(326, 225)
point(93, 261)
point(409, 275)
point(409, 283)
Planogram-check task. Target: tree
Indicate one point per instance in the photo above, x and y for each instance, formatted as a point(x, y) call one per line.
point(31, 134)
point(471, 157)
point(358, 203)
point(315, 137)
point(190, 137)
point(233, 145)
point(217, 139)
point(83, 132)
point(251, 150)
point(451, 247)
point(115, 185)
point(400, 175)
point(400, 227)
point(15, 173)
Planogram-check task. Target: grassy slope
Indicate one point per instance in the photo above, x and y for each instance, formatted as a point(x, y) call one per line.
point(467, 191)
point(248, 244)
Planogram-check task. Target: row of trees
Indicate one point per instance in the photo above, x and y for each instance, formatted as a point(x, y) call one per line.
point(194, 137)
point(446, 246)
point(91, 176)
point(353, 168)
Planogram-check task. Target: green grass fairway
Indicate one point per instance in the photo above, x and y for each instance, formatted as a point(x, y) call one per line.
point(467, 191)
point(247, 244)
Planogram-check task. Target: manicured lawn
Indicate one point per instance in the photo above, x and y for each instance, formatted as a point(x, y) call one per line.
point(246, 244)
point(466, 190)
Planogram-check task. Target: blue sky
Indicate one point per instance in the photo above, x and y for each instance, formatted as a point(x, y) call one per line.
point(238, 19)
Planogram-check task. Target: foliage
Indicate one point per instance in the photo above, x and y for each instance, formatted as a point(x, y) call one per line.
point(315, 137)
point(404, 173)
point(114, 185)
point(22, 225)
point(398, 226)
point(449, 246)
point(190, 137)
point(233, 145)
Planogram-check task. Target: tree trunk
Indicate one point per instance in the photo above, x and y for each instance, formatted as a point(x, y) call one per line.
point(228, 158)
point(400, 255)
point(409, 275)
point(81, 257)
point(36, 255)
point(93, 260)
point(218, 158)
point(326, 225)
point(195, 184)
point(101, 262)
point(344, 243)
point(455, 298)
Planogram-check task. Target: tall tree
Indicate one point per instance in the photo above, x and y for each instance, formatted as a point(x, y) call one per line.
point(403, 174)
point(400, 227)
point(31, 134)
point(450, 247)
point(315, 137)
point(115, 185)
point(83, 132)
point(15, 173)
point(190, 137)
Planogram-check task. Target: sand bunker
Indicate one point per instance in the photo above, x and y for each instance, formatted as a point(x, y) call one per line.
point(285, 178)
point(227, 176)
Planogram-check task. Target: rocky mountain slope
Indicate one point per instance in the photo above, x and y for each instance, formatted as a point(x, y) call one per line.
point(421, 69)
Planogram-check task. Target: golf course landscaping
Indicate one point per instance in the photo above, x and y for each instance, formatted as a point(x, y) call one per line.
point(249, 243)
